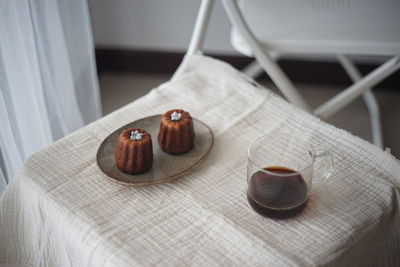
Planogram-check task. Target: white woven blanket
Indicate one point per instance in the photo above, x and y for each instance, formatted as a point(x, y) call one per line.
point(60, 210)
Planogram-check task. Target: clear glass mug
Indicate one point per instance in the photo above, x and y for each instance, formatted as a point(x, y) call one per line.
point(281, 170)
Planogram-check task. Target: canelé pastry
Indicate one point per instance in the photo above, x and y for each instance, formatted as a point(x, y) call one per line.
point(176, 135)
point(134, 153)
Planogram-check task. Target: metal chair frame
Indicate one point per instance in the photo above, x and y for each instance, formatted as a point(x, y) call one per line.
point(266, 61)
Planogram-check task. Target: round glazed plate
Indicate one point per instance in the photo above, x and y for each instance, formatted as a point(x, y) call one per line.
point(165, 167)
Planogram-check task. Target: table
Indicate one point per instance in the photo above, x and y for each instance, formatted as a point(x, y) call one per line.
point(61, 210)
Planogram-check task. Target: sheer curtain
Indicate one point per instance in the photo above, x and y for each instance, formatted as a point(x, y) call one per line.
point(48, 82)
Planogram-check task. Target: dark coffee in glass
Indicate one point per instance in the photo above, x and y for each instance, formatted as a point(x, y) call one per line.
point(281, 170)
point(277, 196)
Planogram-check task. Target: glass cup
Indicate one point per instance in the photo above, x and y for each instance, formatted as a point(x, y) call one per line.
point(281, 169)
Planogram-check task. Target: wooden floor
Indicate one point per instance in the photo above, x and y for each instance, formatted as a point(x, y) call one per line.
point(119, 89)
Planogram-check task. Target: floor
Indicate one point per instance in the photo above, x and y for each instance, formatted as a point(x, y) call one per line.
point(119, 89)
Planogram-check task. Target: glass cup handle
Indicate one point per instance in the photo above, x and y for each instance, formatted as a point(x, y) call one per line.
point(326, 156)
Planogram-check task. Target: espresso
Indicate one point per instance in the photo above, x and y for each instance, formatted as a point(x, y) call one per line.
point(277, 196)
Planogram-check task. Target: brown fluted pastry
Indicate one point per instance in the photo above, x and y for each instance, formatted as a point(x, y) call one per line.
point(176, 135)
point(134, 153)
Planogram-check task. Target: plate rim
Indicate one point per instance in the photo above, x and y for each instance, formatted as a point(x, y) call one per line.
point(162, 181)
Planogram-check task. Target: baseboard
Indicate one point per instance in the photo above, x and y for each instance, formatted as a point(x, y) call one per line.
point(317, 72)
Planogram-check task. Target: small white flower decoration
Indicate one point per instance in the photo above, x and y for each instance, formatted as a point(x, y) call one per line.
point(135, 135)
point(176, 116)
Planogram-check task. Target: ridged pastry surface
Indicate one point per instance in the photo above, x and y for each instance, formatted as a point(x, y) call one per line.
point(134, 156)
point(176, 136)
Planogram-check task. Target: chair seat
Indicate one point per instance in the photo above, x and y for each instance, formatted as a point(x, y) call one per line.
point(352, 27)
point(62, 201)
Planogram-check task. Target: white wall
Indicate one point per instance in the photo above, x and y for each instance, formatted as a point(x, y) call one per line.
point(164, 25)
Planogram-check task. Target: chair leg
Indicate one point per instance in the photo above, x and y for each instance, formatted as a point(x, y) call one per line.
point(376, 126)
point(199, 33)
point(369, 99)
point(351, 93)
point(254, 69)
point(269, 65)
point(200, 27)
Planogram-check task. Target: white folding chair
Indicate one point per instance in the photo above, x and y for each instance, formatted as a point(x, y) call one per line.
point(266, 30)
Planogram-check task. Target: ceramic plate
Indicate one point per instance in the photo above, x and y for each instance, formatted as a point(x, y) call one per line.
point(165, 167)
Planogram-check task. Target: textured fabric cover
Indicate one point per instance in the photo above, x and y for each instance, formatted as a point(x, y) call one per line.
point(60, 210)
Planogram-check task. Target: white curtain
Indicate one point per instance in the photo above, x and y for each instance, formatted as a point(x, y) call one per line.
point(48, 82)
